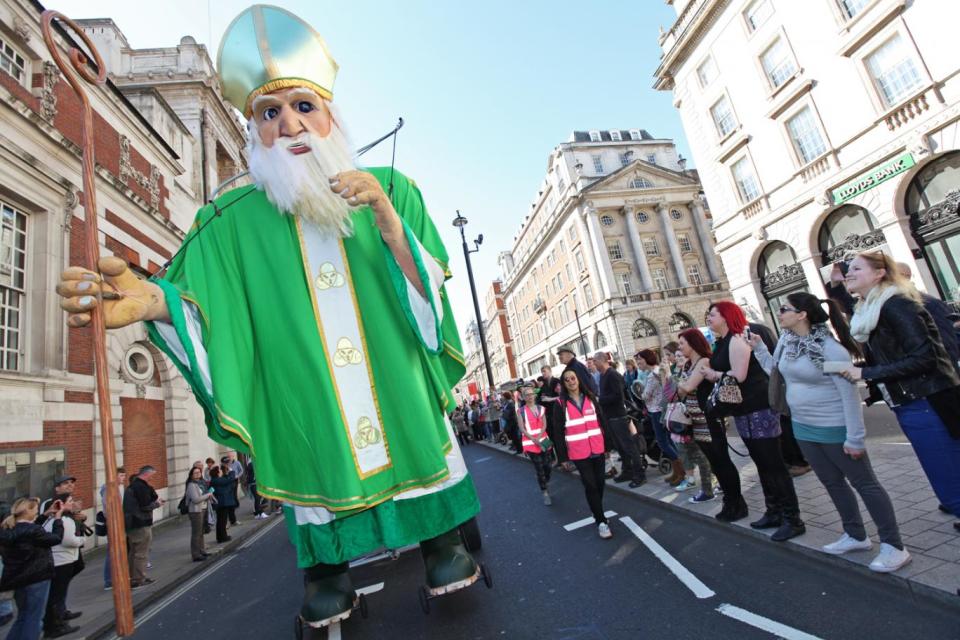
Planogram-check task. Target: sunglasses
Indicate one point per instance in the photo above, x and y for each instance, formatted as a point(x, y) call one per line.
point(785, 309)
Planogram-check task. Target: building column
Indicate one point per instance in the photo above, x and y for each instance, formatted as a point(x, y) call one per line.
point(705, 238)
point(664, 212)
point(640, 258)
point(601, 265)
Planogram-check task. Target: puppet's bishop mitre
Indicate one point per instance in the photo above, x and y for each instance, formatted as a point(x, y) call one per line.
point(267, 48)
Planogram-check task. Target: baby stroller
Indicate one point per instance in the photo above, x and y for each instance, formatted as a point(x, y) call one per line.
point(648, 442)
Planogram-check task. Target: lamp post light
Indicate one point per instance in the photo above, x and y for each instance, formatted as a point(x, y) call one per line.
point(460, 222)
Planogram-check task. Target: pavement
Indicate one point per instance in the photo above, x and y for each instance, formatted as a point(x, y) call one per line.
point(172, 566)
point(928, 534)
point(665, 573)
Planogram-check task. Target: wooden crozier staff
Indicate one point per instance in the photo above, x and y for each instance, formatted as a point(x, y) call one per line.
point(116, 531)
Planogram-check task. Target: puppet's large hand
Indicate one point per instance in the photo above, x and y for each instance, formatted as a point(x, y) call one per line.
point(126, 298)
point(360, 188)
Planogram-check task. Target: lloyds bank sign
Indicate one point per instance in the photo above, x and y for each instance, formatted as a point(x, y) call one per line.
point(872, 178)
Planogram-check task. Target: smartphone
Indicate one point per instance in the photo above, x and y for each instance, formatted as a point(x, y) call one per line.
point(746, 334)
point(835, 366)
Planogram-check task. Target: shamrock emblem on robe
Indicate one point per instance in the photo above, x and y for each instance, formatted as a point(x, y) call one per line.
point(346, 353)
point(366, 433)
point(329, 277)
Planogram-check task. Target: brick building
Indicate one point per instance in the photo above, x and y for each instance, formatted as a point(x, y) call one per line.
point(159, 150)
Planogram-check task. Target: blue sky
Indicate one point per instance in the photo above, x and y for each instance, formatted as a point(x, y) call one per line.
point(487, 89)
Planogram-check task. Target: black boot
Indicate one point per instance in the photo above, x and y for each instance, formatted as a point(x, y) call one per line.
point(448, 564)
point(770, 520)
point(791, 528)
point(733, 509)
point(328, 594)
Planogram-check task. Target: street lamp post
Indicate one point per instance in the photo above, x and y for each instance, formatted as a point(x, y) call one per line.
point(460, 222)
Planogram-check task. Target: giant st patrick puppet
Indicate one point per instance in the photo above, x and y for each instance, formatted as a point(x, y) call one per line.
point(308, 314)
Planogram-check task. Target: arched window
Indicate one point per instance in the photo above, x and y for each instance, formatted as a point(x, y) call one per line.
point(680, 322)
point(600, 340)
point(780, 275)
point(643, 328)
point(933, 203)
point(849, 229)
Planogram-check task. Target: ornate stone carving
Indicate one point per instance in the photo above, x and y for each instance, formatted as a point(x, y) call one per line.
point(919, 145)
point(22, 29)
point(760, 234)
point(854, 243)
point(127, 170)
point(70, 202)
point(141, 391)
point(785, 274)
point(48, 96)
point(939, 215)
point(823, 199)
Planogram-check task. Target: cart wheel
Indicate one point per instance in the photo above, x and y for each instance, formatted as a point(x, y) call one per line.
point(363, 606)
point(665, 466)
point(487, 578)
point(424, 600)
point(470, 534)
point(298, 628)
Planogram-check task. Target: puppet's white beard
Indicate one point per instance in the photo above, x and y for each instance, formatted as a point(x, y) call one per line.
point(299, 184)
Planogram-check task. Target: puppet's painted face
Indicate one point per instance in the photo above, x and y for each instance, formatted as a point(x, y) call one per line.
point(289, 113)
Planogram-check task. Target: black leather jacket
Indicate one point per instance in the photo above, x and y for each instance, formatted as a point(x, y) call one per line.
point(27, 555)
point(906, 354)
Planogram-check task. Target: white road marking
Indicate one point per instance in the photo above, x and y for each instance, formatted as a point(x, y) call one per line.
point(683, 574)
point(484, 459)
point(768, 625)
point(333, 631)
point(170, 599)
point(373, 588)
point(582, 523)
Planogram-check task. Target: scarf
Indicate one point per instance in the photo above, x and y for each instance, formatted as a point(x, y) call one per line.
point(811, 345)
point(867, 312)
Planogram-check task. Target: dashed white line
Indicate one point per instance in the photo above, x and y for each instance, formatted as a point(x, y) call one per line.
point(683, 574)
point(586, 521)
point(484, 459)
point(768, 625)
point(373, 588)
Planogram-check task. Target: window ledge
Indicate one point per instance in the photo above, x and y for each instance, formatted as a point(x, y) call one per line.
point(792, 97)
point(860, 38)
point(732, 144)
point(817, 167)
point(754, 207)
point(775, 91)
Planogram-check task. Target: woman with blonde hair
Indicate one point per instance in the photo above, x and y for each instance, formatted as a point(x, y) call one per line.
point(28, 563)
point(908, 367)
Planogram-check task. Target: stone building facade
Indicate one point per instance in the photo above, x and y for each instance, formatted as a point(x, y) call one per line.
point(616, 253)
point(812, 148)
point(148, 190)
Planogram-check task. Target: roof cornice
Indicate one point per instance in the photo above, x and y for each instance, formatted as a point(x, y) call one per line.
point(696, 19)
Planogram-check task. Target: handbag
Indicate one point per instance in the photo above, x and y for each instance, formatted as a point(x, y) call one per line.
point(100, 524)
point(182, 506)
point(778, 392)
point(724, 398)
point(677, 419)
point(545, 444)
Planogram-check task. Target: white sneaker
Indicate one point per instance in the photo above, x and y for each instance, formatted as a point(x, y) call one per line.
point(546, 499)
point(604, 530)
point(889, 559)
point(846, 543)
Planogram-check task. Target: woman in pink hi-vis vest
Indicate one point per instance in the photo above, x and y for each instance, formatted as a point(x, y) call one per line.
point(577, 419)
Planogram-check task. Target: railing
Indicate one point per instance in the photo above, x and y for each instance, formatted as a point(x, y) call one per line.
point(666, 294)
point(907, 111)
point(753, 208)
point(675, 34)
point(816, 168)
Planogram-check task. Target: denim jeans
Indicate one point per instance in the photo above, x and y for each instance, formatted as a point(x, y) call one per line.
point(31, 603)
point(939, 454)
point(107, 578)
point(663, 438)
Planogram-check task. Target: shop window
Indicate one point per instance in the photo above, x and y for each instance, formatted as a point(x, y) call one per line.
point(29, 473)
point(933, 202)
point(643, 328)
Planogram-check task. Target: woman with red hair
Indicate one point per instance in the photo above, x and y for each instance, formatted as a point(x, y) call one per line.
point(757, 424)
point(695, 389)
